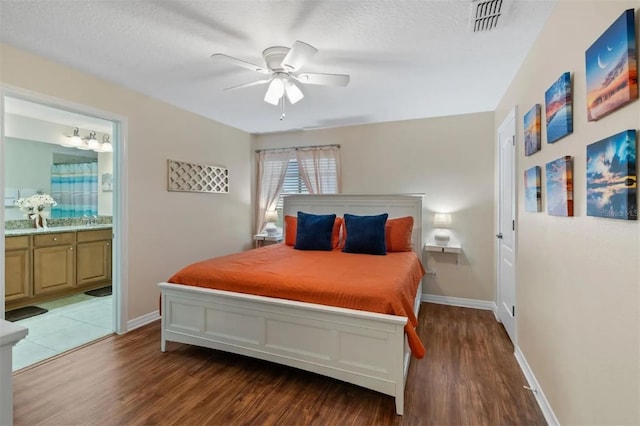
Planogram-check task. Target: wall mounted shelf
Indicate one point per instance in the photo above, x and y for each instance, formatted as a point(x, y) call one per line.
point(449, 248)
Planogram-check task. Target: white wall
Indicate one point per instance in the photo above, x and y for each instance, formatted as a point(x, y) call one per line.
point(450, 159)
point(29, 168)
point(578, 277)
point(167, 230)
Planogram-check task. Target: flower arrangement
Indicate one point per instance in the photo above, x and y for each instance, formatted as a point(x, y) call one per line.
point(33, 208)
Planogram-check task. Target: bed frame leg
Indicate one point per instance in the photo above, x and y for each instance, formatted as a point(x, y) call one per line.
point(400, 403)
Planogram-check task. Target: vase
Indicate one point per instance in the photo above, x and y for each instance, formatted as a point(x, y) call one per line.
point(40, 222)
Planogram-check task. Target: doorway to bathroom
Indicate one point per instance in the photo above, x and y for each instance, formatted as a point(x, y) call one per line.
point(61, 188)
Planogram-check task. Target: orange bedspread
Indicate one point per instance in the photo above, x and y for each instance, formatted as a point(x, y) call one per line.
point(383, 284)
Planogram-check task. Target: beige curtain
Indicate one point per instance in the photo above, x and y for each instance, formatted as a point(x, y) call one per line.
point(320, 169)
point(272, 167)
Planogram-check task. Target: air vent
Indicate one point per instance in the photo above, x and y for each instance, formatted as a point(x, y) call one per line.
point(487, 15)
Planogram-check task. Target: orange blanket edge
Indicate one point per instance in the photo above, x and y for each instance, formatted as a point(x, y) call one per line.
point(271, 265)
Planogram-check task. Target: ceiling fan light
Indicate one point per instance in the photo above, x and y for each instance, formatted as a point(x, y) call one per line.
point(274, 92)
point(294, 94)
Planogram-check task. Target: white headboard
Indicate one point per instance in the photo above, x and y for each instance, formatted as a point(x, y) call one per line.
point(394, 205)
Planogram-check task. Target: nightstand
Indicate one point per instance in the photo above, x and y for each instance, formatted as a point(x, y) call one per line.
point(454, 248)
point(260, 240)
point(449, 248)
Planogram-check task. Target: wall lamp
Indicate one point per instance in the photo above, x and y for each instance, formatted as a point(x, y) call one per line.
point(442, 223)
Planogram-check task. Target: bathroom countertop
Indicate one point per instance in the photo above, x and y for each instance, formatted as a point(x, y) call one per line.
point(53, 229)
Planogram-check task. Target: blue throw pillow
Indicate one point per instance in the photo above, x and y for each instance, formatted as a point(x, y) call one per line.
point(314, 231)
point(365, 234)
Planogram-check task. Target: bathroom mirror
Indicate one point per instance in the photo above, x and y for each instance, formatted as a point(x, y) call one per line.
point(29, 168)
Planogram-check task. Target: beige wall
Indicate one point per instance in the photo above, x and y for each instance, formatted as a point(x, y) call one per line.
point(167, 230)
point(450, 159)
point(578, 278)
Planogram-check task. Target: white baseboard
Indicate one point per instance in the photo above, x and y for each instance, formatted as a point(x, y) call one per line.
point(143, 320)
point(548, 413)
point(486, 305)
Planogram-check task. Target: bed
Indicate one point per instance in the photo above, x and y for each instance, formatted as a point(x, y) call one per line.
point(368, 349)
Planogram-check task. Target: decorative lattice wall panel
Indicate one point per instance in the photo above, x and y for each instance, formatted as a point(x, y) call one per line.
point(189, 177)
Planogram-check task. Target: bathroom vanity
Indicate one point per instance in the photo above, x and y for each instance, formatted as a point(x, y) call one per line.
point(44, 264)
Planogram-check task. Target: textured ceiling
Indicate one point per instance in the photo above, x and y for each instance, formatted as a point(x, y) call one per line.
point(407, 58)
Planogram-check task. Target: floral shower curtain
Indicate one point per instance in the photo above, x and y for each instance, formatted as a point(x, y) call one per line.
point(75, 189)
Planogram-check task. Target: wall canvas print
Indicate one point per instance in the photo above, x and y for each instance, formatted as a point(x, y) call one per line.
point(612, 177)
point(559, 109)
point(532, 190)
point(560, 187)
point(532, 130)
point(107, 182)
point(612, 68)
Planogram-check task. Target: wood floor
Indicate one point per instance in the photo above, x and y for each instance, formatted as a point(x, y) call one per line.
point(468, 377)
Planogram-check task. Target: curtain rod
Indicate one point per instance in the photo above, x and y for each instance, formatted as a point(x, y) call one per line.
point(295, 148)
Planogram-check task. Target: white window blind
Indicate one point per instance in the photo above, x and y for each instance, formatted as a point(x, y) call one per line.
point(323, 174)
point(293, 184)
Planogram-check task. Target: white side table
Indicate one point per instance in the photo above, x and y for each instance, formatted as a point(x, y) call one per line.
point(449, 248)
point(260, 240)
point(10, 334)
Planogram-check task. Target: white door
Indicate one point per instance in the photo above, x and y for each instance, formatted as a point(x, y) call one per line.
point(506, 225)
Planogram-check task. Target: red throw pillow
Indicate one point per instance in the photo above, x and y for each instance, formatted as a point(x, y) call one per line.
point(291, 228)
point(397, 234)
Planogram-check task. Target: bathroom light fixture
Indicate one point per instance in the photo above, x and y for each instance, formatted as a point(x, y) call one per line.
point(441, 221)
point(106, 144)
point(88, 143)
point(92, 142)
point(75, 140)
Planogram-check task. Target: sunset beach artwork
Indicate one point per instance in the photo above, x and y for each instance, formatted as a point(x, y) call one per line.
point(532, 190)
point(532, 130)
point(612, 179)
point(559, 108)
point(560, 187)
point(612, 68)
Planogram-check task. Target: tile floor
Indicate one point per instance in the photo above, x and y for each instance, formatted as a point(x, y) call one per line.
point(70, 322)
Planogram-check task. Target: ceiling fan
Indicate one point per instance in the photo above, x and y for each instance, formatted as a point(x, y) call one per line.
point(282, 65)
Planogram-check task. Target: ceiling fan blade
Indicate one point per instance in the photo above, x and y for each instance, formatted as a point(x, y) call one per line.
point(253, 83)
point(298, 55)
point(237, 62)
point(323, 79)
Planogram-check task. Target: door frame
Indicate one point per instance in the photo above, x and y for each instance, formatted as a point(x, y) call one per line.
point(120, 281)
point(512, 115)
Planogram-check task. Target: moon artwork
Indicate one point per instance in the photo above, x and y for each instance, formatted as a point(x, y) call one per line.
point(612, 68)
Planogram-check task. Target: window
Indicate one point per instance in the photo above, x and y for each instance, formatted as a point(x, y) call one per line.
point(302, 170)
point(293, 184)
point(326, 173)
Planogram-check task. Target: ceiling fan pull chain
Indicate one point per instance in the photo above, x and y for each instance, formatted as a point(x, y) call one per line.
point(282, 103)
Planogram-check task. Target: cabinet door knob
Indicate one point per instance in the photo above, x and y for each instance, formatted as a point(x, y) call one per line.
point(55, 238)
point(107, 244)
point(70, 248)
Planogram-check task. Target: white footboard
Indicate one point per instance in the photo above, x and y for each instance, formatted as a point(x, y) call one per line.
point(363, 348)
